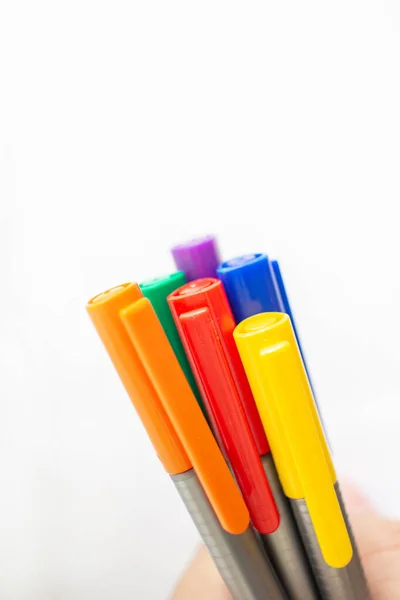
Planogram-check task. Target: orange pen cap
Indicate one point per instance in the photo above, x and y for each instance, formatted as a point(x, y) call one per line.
point(162, 368)
point(104, 311)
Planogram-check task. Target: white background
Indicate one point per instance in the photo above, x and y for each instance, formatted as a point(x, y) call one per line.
point(126, 127)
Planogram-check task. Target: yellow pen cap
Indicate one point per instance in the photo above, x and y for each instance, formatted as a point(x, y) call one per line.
point(275, 370)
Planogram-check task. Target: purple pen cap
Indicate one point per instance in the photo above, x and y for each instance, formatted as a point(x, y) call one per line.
point(197, 258)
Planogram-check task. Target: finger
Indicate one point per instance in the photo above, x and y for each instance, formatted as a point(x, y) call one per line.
point(378, 540)
point(201, 580)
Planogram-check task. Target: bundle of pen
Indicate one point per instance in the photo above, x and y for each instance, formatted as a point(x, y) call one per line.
point(211, 360)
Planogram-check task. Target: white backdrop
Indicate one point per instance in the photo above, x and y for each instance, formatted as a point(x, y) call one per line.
point(126, 127)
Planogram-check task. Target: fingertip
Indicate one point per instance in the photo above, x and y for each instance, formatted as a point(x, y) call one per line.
point(355, 499)
point(201, 580)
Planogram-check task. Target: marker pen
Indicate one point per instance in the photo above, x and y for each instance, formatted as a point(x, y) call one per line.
point(150, 372)
point(197, 258)
point(202, 330)
point(250, 285)
point(287, 307)
point(273, 364)
point(282, 290)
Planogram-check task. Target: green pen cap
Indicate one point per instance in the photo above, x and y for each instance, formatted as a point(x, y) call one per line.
point(157, 290)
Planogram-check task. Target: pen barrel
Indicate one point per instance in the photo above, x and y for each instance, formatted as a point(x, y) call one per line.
point(347, 583)
point(284, 546)
point(239, 558)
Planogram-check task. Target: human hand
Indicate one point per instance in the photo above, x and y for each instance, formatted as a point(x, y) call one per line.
point(378, 541)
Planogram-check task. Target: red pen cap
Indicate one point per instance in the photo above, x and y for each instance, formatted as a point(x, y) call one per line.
point(222, 402)
point(209, 293)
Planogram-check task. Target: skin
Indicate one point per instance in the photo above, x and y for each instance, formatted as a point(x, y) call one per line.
point(378, 542)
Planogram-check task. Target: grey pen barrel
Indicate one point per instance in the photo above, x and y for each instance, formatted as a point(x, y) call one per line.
point(240, 559)
point(284, 546)
point(347, 583)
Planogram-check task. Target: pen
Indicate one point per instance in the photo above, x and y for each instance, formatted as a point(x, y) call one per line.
point(288, 310)
point(254, 285)
point(273, 364)
point(127, 324)
point(250, 285)
point(285, 299)
point(157, 290)
point(197, 258)
point(203, 318)
point(210, 292)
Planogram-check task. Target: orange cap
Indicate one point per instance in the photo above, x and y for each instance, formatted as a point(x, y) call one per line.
point(162, 367)
point(104, 311)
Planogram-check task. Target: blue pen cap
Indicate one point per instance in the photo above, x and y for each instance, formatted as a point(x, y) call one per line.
point(250, 285)
point(281, 286)
point(285, 300)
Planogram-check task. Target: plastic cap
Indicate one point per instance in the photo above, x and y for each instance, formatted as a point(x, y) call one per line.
point(104, 311)
point(197, 258)
point(209, 293)
point(273, 364)
point(250, 285)
point(162, 368)
point(281, 286)
point(225, 410)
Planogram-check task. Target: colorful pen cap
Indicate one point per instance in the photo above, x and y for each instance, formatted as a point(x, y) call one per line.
point(288, 310)
point(104, 311)
point(250, 285)
point(197, 258)
point(209, 293)
point(157, 290)
point(286, 304)
point(162, 368)
point(273, 364)
point(223, 404)
point(281, 287)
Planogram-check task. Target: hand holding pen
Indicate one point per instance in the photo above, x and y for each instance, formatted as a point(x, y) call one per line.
point(230, 411)
point(379, 545)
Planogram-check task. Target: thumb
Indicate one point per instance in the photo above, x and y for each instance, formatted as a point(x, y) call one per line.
point(201, 581)
point(378, 541)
